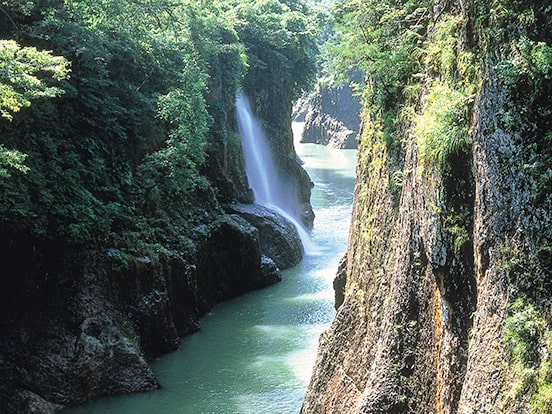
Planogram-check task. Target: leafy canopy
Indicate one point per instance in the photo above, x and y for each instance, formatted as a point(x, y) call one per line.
point(26, 74)
point(122, 156)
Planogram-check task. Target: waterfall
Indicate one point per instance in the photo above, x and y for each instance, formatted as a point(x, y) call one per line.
point(261, 171)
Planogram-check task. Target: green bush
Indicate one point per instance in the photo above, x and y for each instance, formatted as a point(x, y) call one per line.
point(529, 341)
point(524, 329)
point(442, 129)
point(120, 157)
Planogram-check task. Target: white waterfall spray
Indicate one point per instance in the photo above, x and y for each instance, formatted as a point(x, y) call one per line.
point(261, 171)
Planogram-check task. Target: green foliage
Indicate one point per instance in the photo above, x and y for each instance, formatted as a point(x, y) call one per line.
point(185, 112)
point(442, 129)
point(27, 74)
point(392, 43)
point(11, 159)
point(525, 27)
point(441, 52)
point(375, 36)
point(222, 52)
point(541, 402)
point(119, 158)
point(528, 60)
point(524, 329)
point(461, 237)
point(529, 341)
point(280, 44)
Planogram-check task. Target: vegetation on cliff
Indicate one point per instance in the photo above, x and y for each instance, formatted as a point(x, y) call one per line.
point(137, 140)
point(448, 269)
point(118, 153)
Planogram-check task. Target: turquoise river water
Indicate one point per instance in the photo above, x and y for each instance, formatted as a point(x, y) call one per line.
point(254, 354)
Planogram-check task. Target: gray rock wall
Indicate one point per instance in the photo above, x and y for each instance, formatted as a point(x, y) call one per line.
point(90, 329)
point(446, 305)
point(332, 117)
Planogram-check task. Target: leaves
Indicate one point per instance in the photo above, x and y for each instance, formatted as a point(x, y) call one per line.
point(11, 159)
point(279, 42)
point(27, 74)
point(120, 154)
point(442, 129)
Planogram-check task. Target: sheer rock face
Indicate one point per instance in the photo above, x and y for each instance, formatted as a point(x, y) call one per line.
point(76, 325)
point(89, 332)
point(422, 327)
point(332, 117)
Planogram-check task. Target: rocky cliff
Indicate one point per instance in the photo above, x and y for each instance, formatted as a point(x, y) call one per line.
point(332, 116)
point(87, 324)
point(119, 222)
point(446, 305)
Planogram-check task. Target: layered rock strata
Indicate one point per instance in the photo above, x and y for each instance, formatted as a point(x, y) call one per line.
point(445, 307)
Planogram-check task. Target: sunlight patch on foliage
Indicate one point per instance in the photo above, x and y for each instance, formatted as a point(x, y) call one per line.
point(26, 74)
point(442, 129)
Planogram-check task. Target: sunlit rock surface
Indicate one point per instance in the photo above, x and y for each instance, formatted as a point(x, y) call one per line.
point(332, 117)
point(446, 263)
point(278, 237)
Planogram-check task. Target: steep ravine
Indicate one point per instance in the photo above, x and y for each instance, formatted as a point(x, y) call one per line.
point(125, 209)
point(92, 327)
point(447, 297)
point(80, 323)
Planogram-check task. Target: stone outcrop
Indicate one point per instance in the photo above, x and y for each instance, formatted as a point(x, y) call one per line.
point(90, 329)
point(332, 117)
point(278, 237)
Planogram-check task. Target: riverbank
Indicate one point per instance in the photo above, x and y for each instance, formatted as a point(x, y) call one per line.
point(254, 354)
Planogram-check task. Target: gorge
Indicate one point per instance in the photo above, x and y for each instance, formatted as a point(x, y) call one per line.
point(119, 184)
point(446, 292)
point(126, 214)
point(254, 353)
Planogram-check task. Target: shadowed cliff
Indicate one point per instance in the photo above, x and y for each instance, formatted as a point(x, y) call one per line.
point(119, 156)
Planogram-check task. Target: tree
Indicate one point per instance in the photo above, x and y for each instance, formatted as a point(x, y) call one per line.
point(26, 74)
point(280, 44)
point(381, 39)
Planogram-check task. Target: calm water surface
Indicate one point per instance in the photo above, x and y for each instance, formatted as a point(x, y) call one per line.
point(254, 354)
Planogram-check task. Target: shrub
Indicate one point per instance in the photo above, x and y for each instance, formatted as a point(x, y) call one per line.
point(442, 129)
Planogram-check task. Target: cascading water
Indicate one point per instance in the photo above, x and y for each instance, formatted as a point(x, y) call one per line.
point(261, 171)
point(254, 354)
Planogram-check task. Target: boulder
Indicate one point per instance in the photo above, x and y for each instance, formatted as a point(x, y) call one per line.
point(24, 401)
point(269, 270)
point(278, 236)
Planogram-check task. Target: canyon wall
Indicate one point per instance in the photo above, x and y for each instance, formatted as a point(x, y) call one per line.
point(120, 219)
point(332, 116)
point(446, 305)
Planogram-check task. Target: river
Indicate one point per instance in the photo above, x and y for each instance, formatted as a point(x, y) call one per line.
point(254, 354)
